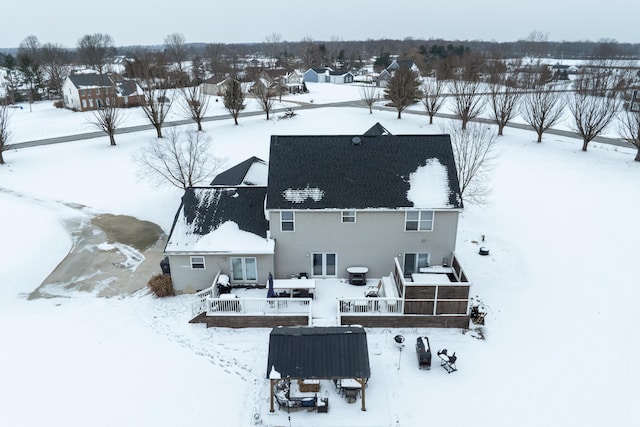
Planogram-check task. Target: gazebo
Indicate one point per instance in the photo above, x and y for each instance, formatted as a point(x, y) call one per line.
point(319, 353)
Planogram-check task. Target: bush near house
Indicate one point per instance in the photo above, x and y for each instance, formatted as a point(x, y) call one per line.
point(161, 285)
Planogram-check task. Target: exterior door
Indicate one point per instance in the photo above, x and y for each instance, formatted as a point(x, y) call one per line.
point(414, 261)
point(325, 264)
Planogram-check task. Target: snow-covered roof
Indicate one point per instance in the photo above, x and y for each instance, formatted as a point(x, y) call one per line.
point(362, 172)
point(221, 220)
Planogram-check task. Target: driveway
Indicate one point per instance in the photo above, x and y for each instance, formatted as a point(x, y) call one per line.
point(111, 255)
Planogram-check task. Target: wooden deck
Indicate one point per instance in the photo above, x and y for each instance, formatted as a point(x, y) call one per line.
point(250, 321)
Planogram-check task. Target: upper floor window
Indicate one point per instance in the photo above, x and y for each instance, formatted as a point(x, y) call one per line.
point(348, 216)
point(287, 221)
point(418, 221)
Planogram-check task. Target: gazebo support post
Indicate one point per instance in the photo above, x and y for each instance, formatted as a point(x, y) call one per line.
point(362, 386)
point(272, 384)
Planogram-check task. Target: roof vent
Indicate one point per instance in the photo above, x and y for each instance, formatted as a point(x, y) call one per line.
point(356, 140)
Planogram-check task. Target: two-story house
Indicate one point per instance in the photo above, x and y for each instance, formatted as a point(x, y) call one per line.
point(388, 204)
point(334, 202)
point(92, 91)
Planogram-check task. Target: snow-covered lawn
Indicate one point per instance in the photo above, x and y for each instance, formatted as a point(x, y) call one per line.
point(560, 282)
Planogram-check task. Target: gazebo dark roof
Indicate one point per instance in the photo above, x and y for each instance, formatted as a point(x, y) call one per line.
point(319, 352)
point(354, 172)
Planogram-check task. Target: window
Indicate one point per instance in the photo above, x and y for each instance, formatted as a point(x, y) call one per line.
point(84, 103)
point(349, 216)
point(287, 221)
point(197, 263)
point(414, 261)
point(244, 269)
point(418, 221)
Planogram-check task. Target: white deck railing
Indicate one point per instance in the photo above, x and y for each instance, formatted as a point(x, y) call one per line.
point(373, 306)
point(258, 306)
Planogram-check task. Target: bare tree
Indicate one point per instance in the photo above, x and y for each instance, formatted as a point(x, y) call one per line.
point(54, 61)
point(630, 130)
point(370, 94)
point(176, 49)
point(475, 156)
point(265, 97)
point(5, 132)
point(403, 89)
point(593, 106)
point(504, 103)
point(152, 76)
point(183, 160)
point(30, 65)
point(467, 99)
point(95, 50)
point(176, 52)
point(195, 103)
point(542, 108)
point(234, 99)
point(433, 89)
point(108, 117)
point(273, 42)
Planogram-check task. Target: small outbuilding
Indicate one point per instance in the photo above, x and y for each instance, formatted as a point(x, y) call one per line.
point(318, 353)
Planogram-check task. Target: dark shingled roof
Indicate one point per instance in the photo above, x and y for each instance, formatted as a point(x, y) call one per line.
point(354, 172)
point(90, 79)
point(319, 352)
point(377, 130)
point(206, 208)
point(236, 174)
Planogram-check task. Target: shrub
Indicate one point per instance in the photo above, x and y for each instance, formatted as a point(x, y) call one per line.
point(161, 285)
point(59, 104)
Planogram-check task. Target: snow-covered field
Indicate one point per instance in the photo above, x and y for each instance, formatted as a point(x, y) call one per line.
point(560, 282)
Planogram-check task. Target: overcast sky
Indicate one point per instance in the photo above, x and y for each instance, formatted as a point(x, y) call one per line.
point(146, 22)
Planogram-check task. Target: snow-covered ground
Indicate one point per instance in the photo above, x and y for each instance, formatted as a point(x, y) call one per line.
point(560, 283)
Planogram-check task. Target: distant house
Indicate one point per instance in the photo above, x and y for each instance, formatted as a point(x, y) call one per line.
point(389, 203)
point(386, 74)
point(317, 75)
point(288, 81)
point(327, 75)
point(91, 91)
point(216, 86)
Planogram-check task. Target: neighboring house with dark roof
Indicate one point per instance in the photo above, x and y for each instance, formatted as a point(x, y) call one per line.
point(316, 75)
point(386, 74)
point(289, 81)
point(328, 75)
point(91, 91)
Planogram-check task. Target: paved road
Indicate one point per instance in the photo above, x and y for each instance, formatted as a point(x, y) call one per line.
point(355, 104)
